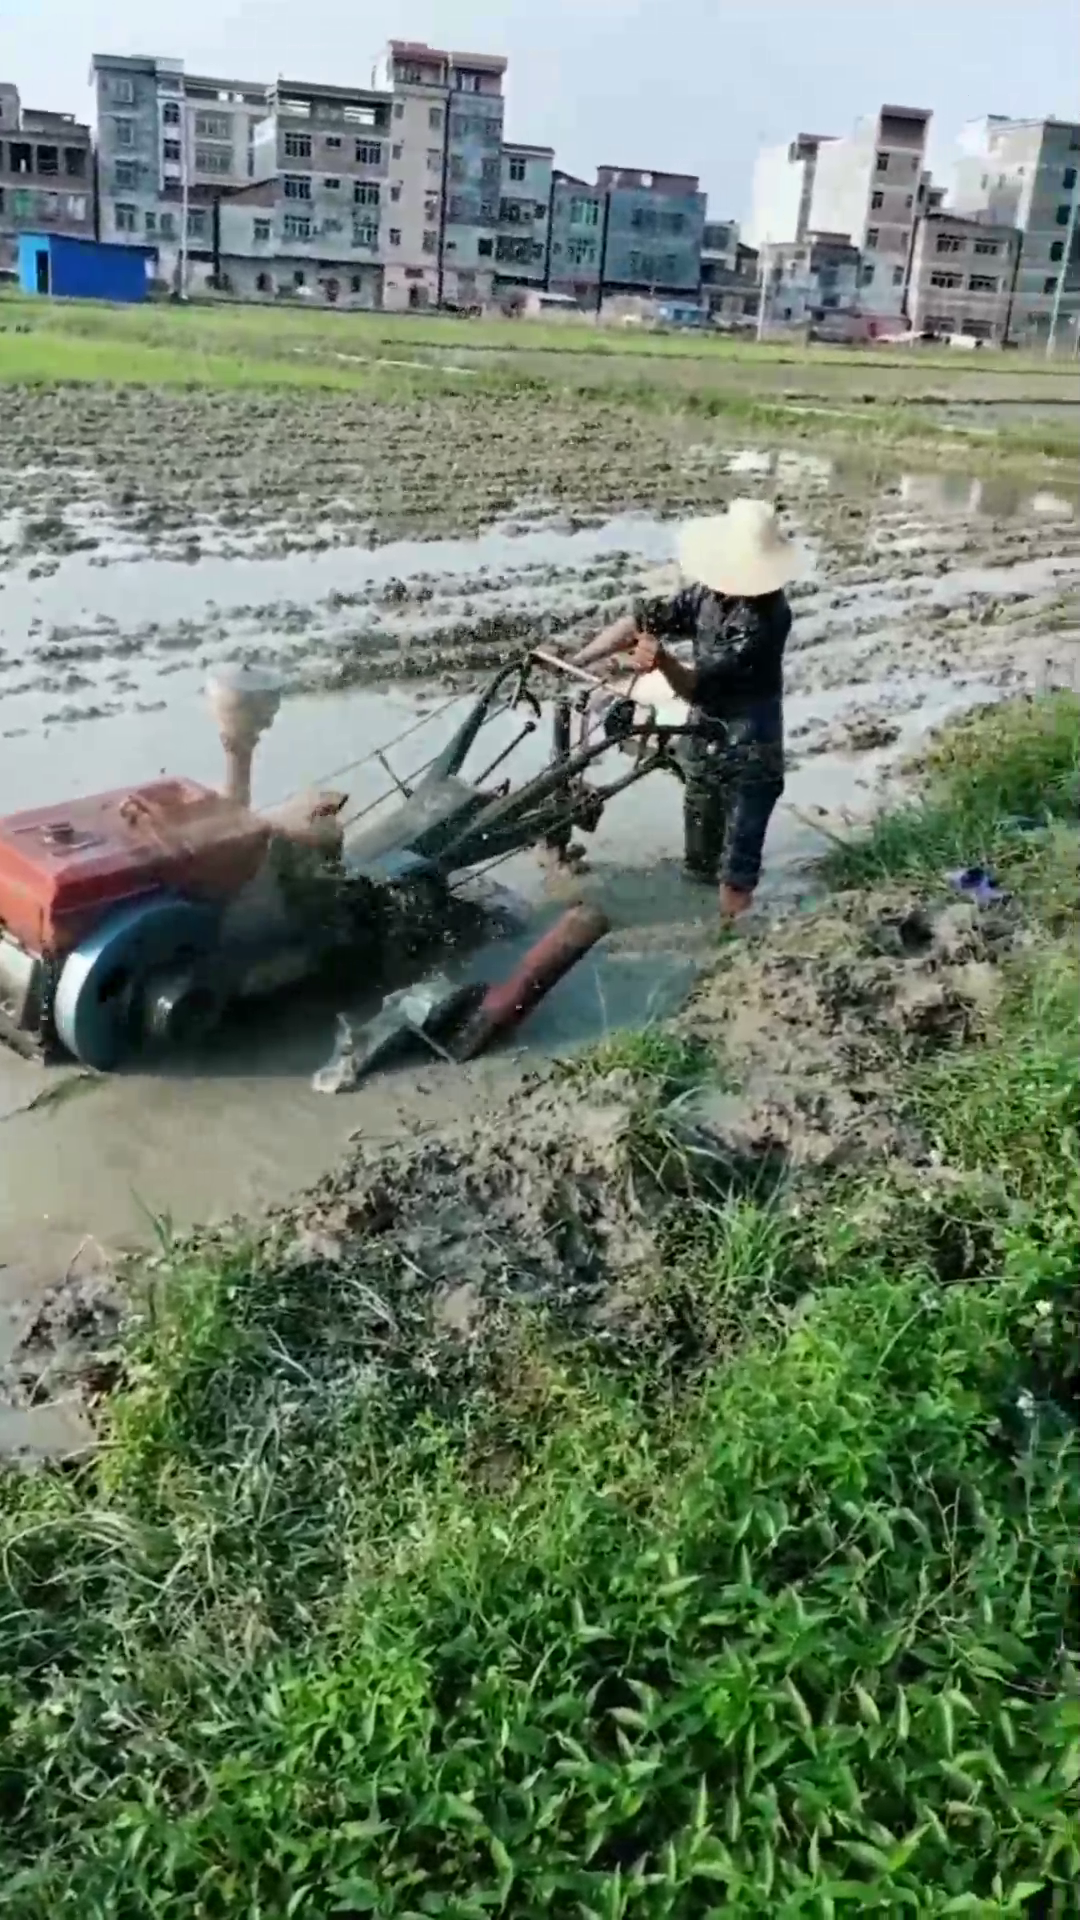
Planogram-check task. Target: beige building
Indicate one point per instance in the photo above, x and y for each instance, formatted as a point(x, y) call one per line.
point(867, 188)
point(962, 276)
point(1026, 174)
point(46, 174)
point(444, 174)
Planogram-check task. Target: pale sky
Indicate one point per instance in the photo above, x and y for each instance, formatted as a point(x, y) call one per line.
point(690, 85)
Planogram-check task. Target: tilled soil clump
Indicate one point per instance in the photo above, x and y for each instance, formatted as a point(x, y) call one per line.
point(405, 1257)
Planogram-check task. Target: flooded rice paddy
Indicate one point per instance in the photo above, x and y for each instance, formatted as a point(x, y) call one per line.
point(386, 580)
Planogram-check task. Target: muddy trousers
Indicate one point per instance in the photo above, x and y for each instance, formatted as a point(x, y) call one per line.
point(726, 814)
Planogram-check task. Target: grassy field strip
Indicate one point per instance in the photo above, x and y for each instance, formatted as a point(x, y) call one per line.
point(763, 1604)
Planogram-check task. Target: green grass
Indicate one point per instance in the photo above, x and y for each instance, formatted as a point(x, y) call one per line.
point(340, 1624)
point(863, 396)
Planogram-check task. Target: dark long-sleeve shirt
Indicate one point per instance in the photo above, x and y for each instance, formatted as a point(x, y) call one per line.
point(738, 646)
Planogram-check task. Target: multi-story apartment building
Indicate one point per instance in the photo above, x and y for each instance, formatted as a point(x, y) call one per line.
point(730, 286)
point(1026, 174)
point(866, 187)
point(317, 213)
point(46, 174)
point(169, 145)
point(782, 191)
point(655, 226)
point(962, 276)
point(521, 244)
point(577, 234)
point(810, 279)
point(445, 173)
point(631, 232)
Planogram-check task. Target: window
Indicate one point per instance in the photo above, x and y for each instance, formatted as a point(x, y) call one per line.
point(434, 160)
point(332, 225)
point(298, 277)
point(909, 202)
point(1050, 285)
point(945, 280)
point(48, 160)
point(332, 185)
point(485, 248)
point(167, 224)
point(396, 150)
point(985, 247)
point(898, 276)
point(395, 236)
point(1062, 216)
point(170, 114)
point(297, 186)
point(871, 237)
point(76, 206)
point(125, 218)
point(582, 253)
point(333, 142)
point(260, 232)
point(883, 163)
point(584, 213)
point(517, 168)
point(369, 153)
point(122, 91)
point(198, 223)
point(365, 233)
point(297, 226)
point(395, 191)
point(263, 283)
point(1057, 249)
point(431, 206)
point(435, 118)
point(212, 126)
point(124, 131)
point(170, 151)
point(356, 283)
point(150, 220)
point(430, 241)
point(949, 243)
point(1068, 179)
point(982, 283)
point(877, 200)
point(365, 193)
point(399, 109)
point(213, 159)
point(125, 174)
point(866, 276)
point(298, 146)
point(74, 162)
point(467, 82)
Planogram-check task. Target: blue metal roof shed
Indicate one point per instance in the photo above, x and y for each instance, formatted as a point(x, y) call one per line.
point(70, 269)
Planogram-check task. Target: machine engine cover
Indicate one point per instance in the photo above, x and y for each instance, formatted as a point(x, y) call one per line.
point(63, 867)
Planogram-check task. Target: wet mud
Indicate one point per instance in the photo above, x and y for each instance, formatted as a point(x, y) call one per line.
point(387, 569)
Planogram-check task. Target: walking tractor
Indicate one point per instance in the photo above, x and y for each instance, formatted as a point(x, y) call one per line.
point(133, 919)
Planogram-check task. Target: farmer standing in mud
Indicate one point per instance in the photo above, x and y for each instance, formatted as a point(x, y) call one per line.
point(735, 611)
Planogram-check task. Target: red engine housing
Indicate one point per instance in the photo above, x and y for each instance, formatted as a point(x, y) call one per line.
point(62, 867)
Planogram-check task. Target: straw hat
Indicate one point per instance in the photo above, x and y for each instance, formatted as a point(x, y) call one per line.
point(743, 552)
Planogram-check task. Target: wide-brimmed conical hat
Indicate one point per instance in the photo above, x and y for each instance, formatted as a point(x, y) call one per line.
point(743, 552)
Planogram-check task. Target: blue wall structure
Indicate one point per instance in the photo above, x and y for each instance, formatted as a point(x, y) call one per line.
point(69, 269)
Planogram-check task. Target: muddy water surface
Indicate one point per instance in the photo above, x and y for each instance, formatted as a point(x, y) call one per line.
point(928, 592)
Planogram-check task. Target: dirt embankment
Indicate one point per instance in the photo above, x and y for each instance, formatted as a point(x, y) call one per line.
point(563, 1198)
